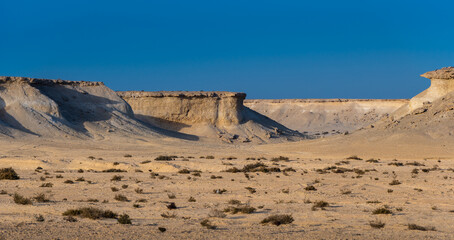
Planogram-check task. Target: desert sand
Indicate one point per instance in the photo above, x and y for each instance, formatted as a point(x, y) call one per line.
point(384, 170)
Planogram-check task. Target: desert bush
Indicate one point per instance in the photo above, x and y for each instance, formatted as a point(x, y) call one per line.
point(310, 188)
point(206, 223)
point(184, 171)
point(346, 191)
point(377, 224)
point(280, 158)
point(415, 163)
point(209, 157)
point(70, 219)
point(171, 206)
point(138, 190)
point(121, 198)
point(234, 202)
point(251, 190)
point(319, 205)
point(19, 199)
point(127, 155)
point(394, 182)
point(47, 184)
point(216, 213)
point(246, 209)
point(114, 189)
point(81, 179)
point(191, 199)
point(69, 181)
point(145, 162)
point(254, 167)
point(39, 218)
point(278, 219)
point(372, 160)
point(124, 219)
point(219, 191)
point(116, 178)
point(165, 158)
point(382, 210)
point(41, 197)
point(354, 157)
point(420, 228)
point(168, 215)
point(90, 212)
point(8, 174)
point(113, 170)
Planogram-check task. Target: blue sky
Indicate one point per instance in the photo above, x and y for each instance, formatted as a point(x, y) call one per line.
point(268, 49)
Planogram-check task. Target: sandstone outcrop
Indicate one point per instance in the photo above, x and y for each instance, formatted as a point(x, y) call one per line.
point(209, 115)
point(442, 83)
point(323, 117)
point(217, 108)
point(58, 108)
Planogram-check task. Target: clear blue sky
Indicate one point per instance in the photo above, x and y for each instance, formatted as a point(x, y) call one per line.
point(268, 49)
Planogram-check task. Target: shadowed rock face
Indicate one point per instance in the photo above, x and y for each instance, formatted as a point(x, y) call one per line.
point(57, 108)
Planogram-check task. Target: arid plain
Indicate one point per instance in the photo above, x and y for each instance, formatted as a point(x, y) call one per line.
point(80, 161)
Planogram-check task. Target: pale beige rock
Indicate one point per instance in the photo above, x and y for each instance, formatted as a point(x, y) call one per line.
point(217, 108)
point(325, 116)
point(442, 83)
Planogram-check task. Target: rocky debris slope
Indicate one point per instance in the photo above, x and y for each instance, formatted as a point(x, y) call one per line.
point(57, 108)
point(323, 117)
point(210, 115)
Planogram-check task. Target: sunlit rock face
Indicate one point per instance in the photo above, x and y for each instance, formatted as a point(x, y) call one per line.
point(216, 108)
point(442, 83)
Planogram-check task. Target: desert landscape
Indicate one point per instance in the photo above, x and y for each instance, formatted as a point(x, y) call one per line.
point(81, 161)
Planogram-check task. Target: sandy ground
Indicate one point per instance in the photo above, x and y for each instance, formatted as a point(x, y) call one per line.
point(360, 187)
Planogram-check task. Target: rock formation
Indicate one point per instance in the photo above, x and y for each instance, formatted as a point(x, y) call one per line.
point(442, 83)
point(207, 115)
point(57, 108)
point(322, 117)
point(217, 108)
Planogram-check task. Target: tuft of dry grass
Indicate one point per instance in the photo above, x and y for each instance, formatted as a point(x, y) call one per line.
point(90, 212)
point(8, 174)
point(278, 219)
point(246, 209)
point(382, 210)
point(121, 198)
point(377, 224)
point(206, 223)
point(41, 197)
point(19, 199)
point(420, 228)
point(124, 219)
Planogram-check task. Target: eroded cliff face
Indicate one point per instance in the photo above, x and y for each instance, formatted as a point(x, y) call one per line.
point(216, 108)
point(325, 116)
point(57, 108)
point(441, 84)
point(210, 115)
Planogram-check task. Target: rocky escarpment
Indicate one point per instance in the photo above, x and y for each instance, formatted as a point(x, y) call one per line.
point(429, 115)
point(442, 83)
point(325, 116)
point(219, 115)
point(217, 108)
point(58, 108)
